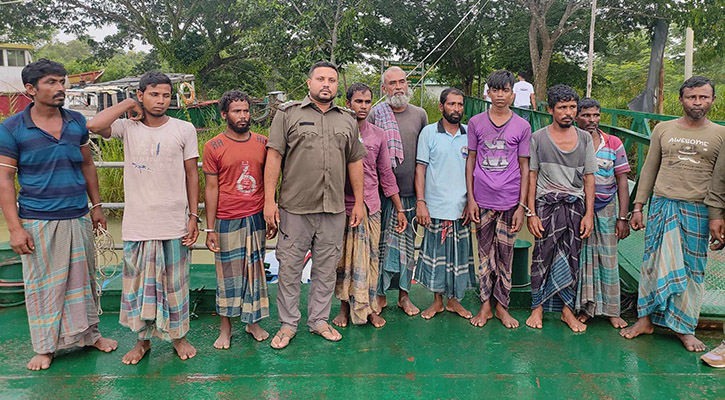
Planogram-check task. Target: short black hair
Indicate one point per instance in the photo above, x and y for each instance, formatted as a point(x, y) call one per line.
point(34, 72)
point(357, 87)
point(450, 91)
point(230, 97)
point(524, 74)
point(322, 64)
point(587, 102)
point(499, 79)
point(697, 81)
point(153, 78)
point(559, 93)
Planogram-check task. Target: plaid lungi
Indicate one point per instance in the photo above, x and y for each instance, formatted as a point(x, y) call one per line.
point(357, 272)
point(397, 250)
point(495, 254)
point(555, 260)
point(598, 281)
point(241, 282)
point(672, 279)
point(60, 290)
point(155, 299)
point(445, 263)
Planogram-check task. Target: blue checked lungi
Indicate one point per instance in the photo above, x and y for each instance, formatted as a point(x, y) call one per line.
point(397, 250)
point(672, 279)
point(445, 263)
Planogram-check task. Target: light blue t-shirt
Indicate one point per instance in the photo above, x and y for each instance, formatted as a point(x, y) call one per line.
point(445, 176)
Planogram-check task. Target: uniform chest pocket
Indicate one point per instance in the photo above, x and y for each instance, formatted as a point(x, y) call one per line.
point(342, 137)
point(309, 139)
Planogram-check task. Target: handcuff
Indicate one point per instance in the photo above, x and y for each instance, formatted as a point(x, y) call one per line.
point(528, 213)
point(198, 221)
point(627, 217)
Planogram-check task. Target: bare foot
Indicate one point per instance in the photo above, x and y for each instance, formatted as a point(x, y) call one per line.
point(484, 314)
point(105, 344)
point(381, 303)
point(454, 306)
point(690, 342)
point(506, 319)
point(376, 320)
point(434, 308)
point(407, 305)
point(257, 332)
point(137, 353)
point(536, 318)
point(617, 322)
point(568, 317)
point(643, 326)
point(342, 318)
point(40, 361)
point(282, 338)
point(583, 318)
point(225, 334)
point(184, 349)
point(327, 332)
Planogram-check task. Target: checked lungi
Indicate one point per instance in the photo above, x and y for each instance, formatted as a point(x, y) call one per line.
point(495, 254)
point(397, 250)
point(445, 263)
point(357, 272)
point(555, 260)
point(598, 281)
point(155, 299)
point(241, 281)
point(60, 290)
point(672, 279)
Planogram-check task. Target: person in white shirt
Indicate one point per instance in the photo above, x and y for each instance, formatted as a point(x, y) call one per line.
point(524, 92)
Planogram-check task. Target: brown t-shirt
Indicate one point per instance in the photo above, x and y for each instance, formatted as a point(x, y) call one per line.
point(680, 161)
point(316, 148)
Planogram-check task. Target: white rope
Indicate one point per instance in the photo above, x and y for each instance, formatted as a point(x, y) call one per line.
point(105, 256)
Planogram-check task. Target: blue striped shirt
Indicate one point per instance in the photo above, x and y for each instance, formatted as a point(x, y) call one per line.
point(52, 186)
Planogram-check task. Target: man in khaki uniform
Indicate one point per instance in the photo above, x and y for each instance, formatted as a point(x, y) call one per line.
point(313, 143)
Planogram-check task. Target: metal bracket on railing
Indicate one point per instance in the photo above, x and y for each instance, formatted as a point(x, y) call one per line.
point(196, 302)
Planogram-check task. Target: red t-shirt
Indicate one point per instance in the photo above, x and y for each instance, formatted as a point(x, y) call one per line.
point(239, 167)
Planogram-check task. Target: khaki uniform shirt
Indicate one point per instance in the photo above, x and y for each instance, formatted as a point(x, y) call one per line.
point(316, 148)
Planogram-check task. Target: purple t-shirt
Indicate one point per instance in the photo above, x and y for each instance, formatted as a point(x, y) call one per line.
point(497, 177)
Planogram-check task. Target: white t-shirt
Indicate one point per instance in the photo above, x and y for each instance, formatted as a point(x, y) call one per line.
point(523, 91)
point(485, 92)
point(154, 178)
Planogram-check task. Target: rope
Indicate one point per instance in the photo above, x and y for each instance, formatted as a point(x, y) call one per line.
point(105, 256)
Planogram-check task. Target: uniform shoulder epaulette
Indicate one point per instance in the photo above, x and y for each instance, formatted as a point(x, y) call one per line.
point(284, 106)
point(347, 110)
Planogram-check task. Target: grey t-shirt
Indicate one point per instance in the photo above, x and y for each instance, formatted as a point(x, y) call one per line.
point(561, 171)
point(411, 122)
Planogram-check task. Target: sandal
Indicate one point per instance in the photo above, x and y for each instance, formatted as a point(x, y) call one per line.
point(281, 335)
point(327, 330)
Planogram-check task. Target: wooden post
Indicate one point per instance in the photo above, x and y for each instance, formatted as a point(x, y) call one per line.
point(689, 44)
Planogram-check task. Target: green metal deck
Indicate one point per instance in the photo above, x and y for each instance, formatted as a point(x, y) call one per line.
point(409, 358)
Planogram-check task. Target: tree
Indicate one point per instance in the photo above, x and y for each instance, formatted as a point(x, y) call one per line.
point(543, 35)
point(25, 23)
point(192, 36)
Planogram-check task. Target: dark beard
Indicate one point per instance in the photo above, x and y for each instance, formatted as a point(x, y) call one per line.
point(238, 129)
point(154, 115)
point(453, 119)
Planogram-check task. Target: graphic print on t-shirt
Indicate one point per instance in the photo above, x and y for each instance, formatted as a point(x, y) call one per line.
point(689, 152)
point(496, 153)
point(246, 184)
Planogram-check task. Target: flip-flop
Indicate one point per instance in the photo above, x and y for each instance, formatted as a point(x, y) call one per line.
point(326, 330)
point(282, 336)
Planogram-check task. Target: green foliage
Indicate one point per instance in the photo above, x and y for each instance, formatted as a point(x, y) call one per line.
point(25, 22)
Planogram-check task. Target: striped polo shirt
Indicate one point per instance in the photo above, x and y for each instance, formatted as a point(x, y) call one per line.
point(52, 186)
